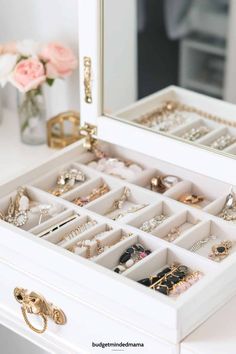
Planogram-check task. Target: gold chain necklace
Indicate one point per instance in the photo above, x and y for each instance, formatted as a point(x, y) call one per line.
point(159, 114)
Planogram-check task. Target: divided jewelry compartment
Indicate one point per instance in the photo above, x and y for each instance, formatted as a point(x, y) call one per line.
point(165, 313)
point(123, 203)
point(109, 161)
point(196, 131)
point(222, 139)
point(49, 182)
point(91, 191)
point(38, 209)
point(178, 226)
point(205, 236)
point(173, 259)
point(194, 195)
point(187, 110)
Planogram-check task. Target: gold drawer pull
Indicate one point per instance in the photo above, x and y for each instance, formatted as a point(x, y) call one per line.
point(32, 303)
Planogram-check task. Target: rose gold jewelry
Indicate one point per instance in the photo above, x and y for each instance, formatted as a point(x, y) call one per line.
point(191, 199)
point(161, 183)
point(157, 185)
point(81, 228)
point(169, 107)
point(220, 251)
point(186, 283)
point(99, 247)
point(66, 181)
point(118, 203)
point(131, 210)
point(96, 193)
point(172, 235)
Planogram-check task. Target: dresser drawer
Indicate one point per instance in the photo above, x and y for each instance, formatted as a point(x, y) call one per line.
point(86, 330)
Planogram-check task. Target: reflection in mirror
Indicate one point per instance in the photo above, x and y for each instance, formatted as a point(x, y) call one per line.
point(150, 45)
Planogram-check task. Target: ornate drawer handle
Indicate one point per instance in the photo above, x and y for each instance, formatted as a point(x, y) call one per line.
point(33, 303)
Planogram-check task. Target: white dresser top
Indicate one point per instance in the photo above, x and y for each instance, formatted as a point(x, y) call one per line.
point(15, 157)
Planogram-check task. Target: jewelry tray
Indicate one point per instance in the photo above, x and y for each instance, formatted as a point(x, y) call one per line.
point(193, 100)
point(156, 314)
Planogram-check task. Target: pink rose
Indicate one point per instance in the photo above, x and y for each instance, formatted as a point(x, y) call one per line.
point(28, 74)
point(60, 60)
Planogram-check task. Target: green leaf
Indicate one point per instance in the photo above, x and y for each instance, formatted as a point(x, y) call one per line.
point(50, 81)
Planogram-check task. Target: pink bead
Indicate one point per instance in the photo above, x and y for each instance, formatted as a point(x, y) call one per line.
point(143, 255)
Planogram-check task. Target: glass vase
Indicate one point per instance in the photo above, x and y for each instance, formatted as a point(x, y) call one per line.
point(32, 114)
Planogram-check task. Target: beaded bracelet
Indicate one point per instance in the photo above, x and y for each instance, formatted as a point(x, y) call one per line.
point(131, 256)
point(166, 279)
point(186, 283)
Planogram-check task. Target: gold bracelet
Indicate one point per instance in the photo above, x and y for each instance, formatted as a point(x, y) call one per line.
point(96, 193)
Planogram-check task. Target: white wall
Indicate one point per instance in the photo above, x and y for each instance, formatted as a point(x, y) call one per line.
point(44, 20)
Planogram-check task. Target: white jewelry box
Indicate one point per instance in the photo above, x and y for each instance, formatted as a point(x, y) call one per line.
point(102, 306)
point(86, 289)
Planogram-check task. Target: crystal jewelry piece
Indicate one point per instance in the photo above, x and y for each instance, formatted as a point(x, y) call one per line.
point(131, 256)
point(87, 244)
point(96, 193)
point(161, 183)
point(20, 218)
point(172, 235)
point(118, 203)
point(170, 107)
point(57, 226)
point(163, 118)
point(67, 180)
point(45, 210)
point(152, 224)
point(42, 210)
point(230, 199)
point(228, 212)
point(220, 251)
point(200, 243)
point(196, 133)
point(171, 122)
point(191, 199)
point(17, 212)
point(21, 201)
point(114, 166)
point(81, 228)
point(223, 142)
point(131, 210)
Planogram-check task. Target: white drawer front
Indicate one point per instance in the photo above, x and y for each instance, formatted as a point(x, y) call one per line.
point(86, 329)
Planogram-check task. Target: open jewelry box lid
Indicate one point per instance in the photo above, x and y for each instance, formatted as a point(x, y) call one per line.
point(133, 136)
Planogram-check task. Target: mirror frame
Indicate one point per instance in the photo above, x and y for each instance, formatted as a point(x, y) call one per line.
point(118, 131)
